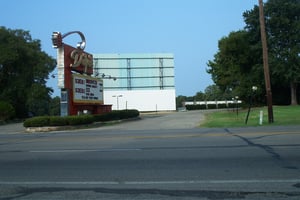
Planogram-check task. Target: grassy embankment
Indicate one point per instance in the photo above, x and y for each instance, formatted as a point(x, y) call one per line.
point(283, 115)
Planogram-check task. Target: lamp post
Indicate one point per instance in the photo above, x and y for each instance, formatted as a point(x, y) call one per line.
point(117, 100)
point(254, 88)
point(237, 105)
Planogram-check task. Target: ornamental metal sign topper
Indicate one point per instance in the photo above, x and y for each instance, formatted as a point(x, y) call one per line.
point(78, 60)
point(79, 91)
point(57, 39)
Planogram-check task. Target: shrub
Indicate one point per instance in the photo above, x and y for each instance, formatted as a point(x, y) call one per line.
point(117, 115)
point(101, 117)
point(208, 106)
point(203, 107)
point(196, 107)
point(223, 105)
point(110, 116)
point(113, 115)
point(57, 121)
point(7, 111)
point(36, 122)
point(231, 105)
point(79, 120)
point(125, 114)
point(191, 107)
point(211, 106)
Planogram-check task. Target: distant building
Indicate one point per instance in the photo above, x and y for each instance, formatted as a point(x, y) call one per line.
point(145, 82)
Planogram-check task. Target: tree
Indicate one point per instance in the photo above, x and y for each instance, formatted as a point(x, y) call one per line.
point(200, 96)
point(282, 27)
point(283, 20)
point(24, 69)
point(7, 111)
point(54, 108)
point(213, 92)
point(234, 66)
point(38, 100)
point(238, 63)
point(179, 101)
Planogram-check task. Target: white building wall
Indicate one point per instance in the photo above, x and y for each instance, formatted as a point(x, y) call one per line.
point(142, 100)
point(145, 81)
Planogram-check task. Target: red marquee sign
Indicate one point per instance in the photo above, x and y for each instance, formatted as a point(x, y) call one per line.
point(80, 91)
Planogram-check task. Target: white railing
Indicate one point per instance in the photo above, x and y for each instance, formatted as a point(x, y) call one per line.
point(211, 102)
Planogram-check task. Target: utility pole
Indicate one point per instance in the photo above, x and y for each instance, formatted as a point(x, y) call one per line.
point(265, 61)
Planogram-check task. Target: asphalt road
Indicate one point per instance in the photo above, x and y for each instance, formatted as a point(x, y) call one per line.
point(125, 161)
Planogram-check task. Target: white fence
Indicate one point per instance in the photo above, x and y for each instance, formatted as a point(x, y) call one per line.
point(212, 102)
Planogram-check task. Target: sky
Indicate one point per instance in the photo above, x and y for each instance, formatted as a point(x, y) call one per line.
point(190, 29)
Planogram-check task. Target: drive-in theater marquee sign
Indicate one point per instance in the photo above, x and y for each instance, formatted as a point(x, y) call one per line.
point(87, 90)
point(79, 90)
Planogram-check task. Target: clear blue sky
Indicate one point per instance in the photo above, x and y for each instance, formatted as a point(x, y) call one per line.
point(190, 29)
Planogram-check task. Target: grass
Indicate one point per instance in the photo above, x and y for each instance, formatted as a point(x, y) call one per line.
point(283, 115)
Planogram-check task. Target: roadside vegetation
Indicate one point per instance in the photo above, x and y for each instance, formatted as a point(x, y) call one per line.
point(283, 115)
point(43, 121)
point(237, 66)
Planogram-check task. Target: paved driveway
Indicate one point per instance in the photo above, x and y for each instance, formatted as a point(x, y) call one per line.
point(12, 128)
point(156, 121)
point(148, 121)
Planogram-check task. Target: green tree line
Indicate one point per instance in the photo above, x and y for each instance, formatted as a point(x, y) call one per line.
point(24, 70)
point(211, 93)
point(238, 64)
